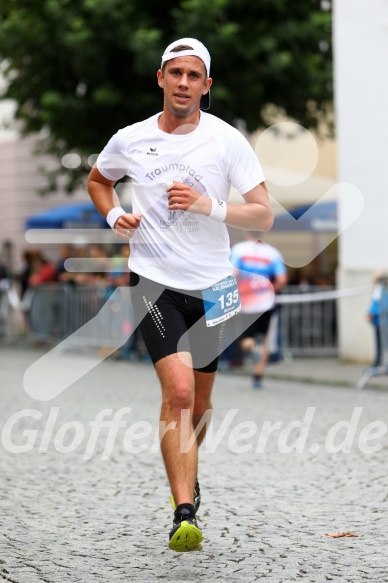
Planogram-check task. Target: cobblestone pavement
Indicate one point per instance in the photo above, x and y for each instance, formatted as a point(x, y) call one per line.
point(75, 517)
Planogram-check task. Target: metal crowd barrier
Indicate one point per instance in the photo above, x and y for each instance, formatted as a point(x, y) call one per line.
point(89, 316)
point(309, 327)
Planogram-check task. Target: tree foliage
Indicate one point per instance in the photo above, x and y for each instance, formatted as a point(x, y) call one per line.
point(81, 69)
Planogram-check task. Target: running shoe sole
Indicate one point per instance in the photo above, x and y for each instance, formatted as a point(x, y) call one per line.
point(186, 538)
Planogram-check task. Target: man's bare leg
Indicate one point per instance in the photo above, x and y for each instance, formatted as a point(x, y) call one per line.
point(182, 390)
point(250, 345)
point(260, 365)
point(204, 382)
point(177, 383)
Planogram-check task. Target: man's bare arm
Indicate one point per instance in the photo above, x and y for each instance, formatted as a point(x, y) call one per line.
point(104, 198)
point(280, 282)
point(256, 214)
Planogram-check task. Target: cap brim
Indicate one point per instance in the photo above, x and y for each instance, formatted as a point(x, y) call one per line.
point(205, 101)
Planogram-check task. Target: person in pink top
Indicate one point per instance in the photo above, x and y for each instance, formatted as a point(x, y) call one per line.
point(261, 274)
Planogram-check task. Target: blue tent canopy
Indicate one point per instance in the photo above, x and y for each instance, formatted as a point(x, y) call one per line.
point(70, 216)
point(321, 218)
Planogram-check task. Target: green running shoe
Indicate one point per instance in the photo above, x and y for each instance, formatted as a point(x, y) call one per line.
point(185, 535)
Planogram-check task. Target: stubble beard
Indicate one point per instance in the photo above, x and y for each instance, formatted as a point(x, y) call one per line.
point(182, 113)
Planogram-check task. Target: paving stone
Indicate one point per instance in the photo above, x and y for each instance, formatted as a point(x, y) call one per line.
point(76, 517)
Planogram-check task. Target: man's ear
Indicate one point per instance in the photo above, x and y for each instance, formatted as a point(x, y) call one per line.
point(208, 84)
point(159, 75)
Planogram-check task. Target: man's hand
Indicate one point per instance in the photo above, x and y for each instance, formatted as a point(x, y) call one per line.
point(182, 197)
point(126, 225)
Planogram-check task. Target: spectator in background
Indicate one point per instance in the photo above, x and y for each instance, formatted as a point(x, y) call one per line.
point(260, 271)
point(80, 275)
point(120, 261)
point(99, 264)
point(374, 318)
point(40, 316)
point(120, 277)
point(304, 283)
point(3, 271)
point(26, 270)
point(4, 286)
point(41, 270)
point(66, 251)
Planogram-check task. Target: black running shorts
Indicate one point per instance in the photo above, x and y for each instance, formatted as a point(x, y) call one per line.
point(258, 327)
point(172, 320)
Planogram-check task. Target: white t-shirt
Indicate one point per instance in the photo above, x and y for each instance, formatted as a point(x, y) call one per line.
point(176, 248)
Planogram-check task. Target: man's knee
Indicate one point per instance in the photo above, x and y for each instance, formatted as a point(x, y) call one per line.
point(179, 396)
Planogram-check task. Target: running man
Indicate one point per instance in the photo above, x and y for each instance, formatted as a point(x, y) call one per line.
point(261, 274)
point(182, 163)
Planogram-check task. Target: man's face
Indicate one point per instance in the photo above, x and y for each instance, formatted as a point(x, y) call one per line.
point(183, 81)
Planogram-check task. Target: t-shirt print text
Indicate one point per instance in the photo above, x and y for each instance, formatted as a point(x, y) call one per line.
point(152, 152)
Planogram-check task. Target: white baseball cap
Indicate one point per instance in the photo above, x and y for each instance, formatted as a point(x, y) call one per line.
point(198, 50)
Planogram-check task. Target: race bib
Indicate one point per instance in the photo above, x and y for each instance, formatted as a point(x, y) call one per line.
point(221, 301)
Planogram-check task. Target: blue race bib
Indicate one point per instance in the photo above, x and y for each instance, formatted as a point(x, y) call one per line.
point(221, 301)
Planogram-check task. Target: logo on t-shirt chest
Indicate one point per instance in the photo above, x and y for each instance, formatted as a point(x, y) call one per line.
point(152, 152)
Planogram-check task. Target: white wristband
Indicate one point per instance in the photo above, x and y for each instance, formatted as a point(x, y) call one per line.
point(219, 209)
point(115, 213)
